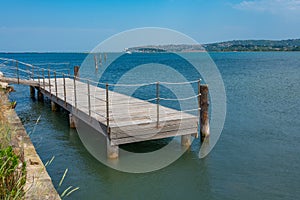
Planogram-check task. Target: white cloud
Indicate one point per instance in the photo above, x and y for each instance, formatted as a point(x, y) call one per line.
point(273, 6)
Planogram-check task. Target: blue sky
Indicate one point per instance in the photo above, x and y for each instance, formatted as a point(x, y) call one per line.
point(78, 25)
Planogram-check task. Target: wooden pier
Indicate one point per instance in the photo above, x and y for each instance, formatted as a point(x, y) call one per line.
point(120, 118)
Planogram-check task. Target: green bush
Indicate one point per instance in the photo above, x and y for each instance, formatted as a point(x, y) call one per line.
point(12, 175)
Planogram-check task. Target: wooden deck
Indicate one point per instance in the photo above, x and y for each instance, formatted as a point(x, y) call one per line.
point(130, 119)
point(120, 118)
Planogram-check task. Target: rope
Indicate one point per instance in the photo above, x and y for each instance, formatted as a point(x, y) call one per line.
point(196, 109)
point(132, 85)
point(179, 83)
point(182, 99)
point(184, 111)
point(62, 63)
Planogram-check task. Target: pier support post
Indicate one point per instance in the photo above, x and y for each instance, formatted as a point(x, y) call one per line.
point(112, 150)
point(40, 96)
point(32, 92)
point(204, 113)
point(76, 71)
point(54, 106)
point(72, 120)
point(186, 140)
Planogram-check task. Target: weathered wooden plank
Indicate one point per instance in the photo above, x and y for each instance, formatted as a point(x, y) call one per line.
point(136, 130)
point(159, 135)
point(127, 114)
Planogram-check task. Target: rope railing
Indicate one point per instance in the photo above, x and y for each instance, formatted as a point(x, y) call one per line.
point(55, 82)
point(181, 99)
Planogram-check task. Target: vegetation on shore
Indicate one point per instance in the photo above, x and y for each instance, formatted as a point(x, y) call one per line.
point(235, 45)
point(12, 165)
point(255, 45)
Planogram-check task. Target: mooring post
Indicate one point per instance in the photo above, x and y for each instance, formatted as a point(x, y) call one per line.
point(112, 150)
point(32, 92)
point(204, 112)
point(157, 104)
point(76, 71)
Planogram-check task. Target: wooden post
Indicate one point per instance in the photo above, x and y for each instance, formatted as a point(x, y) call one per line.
point(76, 71)
point(157, 104)
point(89, 97)
point(186, 140)
point(204, 113)
point(72, 121)
point(40, 95)
point(54, 106)
point(112, 150)
point(32, 92)
point(65, 92)
point(107, 107)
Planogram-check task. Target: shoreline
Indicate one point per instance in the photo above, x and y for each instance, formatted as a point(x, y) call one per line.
point(38, 182)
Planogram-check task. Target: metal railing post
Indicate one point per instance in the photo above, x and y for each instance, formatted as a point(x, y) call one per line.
point(43, 78)
point(18, 76)
point(199, 107)
point(32, 72)
point(157, 104)
point(65, 92)
point(89, 97)
point(55, 81)
point(75, 97)
point(38, 75)
point(107, 106)
point(199, 97)
point(49, 82)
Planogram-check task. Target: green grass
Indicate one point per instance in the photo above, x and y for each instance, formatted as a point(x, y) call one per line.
point(12, 174)
point(12, 166)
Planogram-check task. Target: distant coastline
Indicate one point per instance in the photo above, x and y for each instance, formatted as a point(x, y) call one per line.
point(228, 46)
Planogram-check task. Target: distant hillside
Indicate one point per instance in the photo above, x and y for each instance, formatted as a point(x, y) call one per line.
point(255, 45)
point(166, 48)
point(235, 45)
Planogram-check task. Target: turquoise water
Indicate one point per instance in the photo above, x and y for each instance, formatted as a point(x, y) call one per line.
point(257, 155)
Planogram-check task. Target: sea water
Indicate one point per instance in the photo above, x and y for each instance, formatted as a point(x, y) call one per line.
point(257, 155)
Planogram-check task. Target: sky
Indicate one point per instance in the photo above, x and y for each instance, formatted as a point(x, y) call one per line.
point(79, 25)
